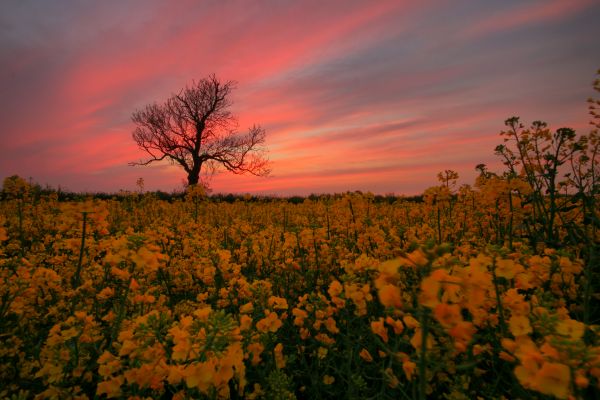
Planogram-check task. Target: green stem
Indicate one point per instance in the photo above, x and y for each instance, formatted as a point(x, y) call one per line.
point(498, 301)
point(120, 314)
point(587, 295)
point(511, 220)
point(21, 236)
point(77, 277)
point(423, 355)
point(439, 225)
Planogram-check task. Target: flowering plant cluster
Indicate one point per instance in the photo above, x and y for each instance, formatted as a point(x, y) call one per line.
point(342, 296)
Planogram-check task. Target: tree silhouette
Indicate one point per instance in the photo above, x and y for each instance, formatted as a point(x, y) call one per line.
point(195, 128)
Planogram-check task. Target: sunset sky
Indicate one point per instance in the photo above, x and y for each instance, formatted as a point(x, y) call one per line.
point(354, 95)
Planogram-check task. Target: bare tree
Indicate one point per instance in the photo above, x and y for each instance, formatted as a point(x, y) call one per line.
point(195, 128)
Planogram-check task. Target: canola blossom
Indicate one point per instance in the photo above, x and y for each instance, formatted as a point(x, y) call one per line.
point(347, 296)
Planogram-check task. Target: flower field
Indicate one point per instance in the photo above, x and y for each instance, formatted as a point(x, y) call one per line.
point(483, 291)
point(341, 296)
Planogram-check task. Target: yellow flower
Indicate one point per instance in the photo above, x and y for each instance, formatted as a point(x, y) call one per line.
point(105, 293)
point(519, 325)
point(506, 357)
point(430, 290)
point(417, 257)
point(176, 374)
point(335, 289)
point(506, 269)
point(524, 280)
point(388, 270)
point(300, 316)
point(145, 376)
point(245, 322)
point(111, 388)
point(108, 364)
point(508, 344)
point(553, 379)
point(325, 339)
point(279, 357)
point(119, 273)
point(271, 323)
point(409, 368)
point(525, 375)
point(127, 347)
point(202, 313)
point(516, 302)
point(365, 355)
point(246, 308)
point(581, 381)
point(447, 315)
point(417, 340)
point(390, 296)
point(134, 285)
point(396, 325)
point(463, 331)
point(199, 375)
point(571, 328)
point(321, 352)
point(379, 329)
point(146, 259)
point(410, 322)
point(328, 380)
point(549, 351)
point(255, 350)
point(230, 360)
point(331, 326)
point(278, 303)
point(178, 333)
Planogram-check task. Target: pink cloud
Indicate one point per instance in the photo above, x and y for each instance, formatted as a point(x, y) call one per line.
point(526, 15)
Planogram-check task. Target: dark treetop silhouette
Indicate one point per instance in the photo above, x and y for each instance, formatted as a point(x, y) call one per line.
point(195, 128)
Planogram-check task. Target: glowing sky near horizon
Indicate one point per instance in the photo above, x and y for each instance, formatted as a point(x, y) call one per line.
point(354, 95)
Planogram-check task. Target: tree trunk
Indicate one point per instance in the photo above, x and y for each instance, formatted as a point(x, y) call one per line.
point(193, 178)
point(194, 174)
